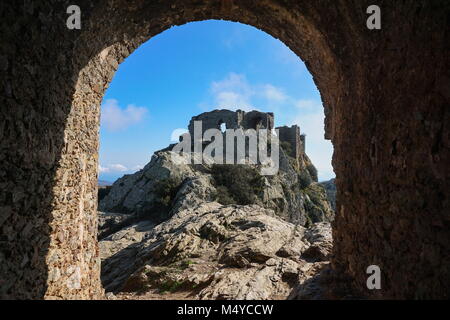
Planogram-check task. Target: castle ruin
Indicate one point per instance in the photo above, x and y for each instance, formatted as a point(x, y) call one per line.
point(251, 120)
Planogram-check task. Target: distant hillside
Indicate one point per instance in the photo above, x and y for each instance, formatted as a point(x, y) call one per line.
point(104, 183)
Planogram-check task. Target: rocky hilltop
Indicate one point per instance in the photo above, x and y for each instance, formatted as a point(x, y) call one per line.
point(162, 187)
point(212, 231)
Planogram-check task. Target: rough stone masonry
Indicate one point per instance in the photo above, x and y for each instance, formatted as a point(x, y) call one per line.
point(247, 121)
point(385, 95)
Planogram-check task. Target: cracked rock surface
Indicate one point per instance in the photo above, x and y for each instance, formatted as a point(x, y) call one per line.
point(214, 252)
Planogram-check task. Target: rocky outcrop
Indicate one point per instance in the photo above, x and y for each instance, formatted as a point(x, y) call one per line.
point(142, 193)
point(215, 231)
point(214, 251)
point(171, 182)
point(330, 188)
point(163, 187)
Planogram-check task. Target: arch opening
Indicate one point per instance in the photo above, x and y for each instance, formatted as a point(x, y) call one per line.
point(110, 35)
point(53, 88)
point(126, 199)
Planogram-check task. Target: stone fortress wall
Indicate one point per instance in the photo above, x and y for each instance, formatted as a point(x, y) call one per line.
point(294, 138)
point(250, 120)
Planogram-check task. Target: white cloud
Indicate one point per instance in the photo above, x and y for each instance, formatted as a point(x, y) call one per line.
point(175, 136)
point(273, 93)
point(137, 168)
point(103, 169)
point(232, 100)
point(308, 105)
point(118, 167)
point(319, 150)
point(114, 118)
point(234, 92)
point(112, 168)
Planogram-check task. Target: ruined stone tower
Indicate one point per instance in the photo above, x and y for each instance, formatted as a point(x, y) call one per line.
point(296, 140)
point(251, 120)
point(233, 120)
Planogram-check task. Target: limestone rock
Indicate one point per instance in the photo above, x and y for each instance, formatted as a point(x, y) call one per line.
point(141, 192)
point(330, 188)
point(164, 186)
point(213, 251)
point(220, 231)
point(108, 223)
point(320, 238)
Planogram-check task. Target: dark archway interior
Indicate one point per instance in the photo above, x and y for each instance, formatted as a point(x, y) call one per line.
point(385, 94)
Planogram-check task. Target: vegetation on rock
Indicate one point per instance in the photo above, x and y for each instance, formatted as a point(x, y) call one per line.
point(312, 172)
point(103, 192)
point(316, 198)
point(304, 179)
point(165, 191)
point(330, 188)
point(237, 184)
point(286, 146)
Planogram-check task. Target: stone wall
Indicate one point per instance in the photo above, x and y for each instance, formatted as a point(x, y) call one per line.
point(385, 96)
point(214, 119)
point(303, 143)
point(258, 120)
point(292, 136)
point(233, 120)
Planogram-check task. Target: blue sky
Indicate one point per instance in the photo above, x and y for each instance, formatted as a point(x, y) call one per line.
point(199, 67)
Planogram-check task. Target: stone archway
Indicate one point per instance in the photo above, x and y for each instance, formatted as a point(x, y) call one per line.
point(385, 99)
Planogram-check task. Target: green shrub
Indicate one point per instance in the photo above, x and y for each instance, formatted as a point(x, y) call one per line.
point(165, 191)
point(304, 179)
point(315, 206)
point(286, 146)
point(239, 184)
point(170, 286)
point(308, 222)
point(103, 192)
point(312, 172)
point(186, 263)
point(223, 196)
